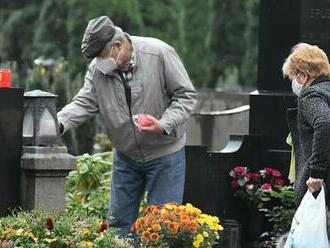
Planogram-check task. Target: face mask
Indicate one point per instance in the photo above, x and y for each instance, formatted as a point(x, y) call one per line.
point(107, 66)
point(296, 87)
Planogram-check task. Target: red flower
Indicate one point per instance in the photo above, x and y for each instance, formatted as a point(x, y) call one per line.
point(266, 187)
point(234, 184)
point(253, 176)
point(269, 171)
point(276, 173)
point(104, 226)
point(279, 182)
point(50, 223)
point(249, 175)
point(239, 170)
point(256, 176)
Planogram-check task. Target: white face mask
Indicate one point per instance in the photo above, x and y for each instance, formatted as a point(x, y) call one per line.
point(108, 65)
point(296, 87)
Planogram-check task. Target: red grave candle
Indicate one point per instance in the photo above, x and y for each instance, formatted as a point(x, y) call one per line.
point(5, 78)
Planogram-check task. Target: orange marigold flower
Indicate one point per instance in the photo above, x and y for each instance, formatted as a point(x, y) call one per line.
point(155, 212)
point(145, 235)
point(142, 222)
point(156, 227)
point(163, 220)
point(150, 208)
point(148, 221)
point(173, 227)
point(177, 210)
point(154, 236)
point(185, 219)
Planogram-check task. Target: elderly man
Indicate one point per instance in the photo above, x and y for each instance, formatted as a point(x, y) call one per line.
point(130, 76)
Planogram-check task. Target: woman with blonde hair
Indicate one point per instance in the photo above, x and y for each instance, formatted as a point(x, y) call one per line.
point(308, 69)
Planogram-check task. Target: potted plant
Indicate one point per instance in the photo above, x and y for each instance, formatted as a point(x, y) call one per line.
point(176, 226)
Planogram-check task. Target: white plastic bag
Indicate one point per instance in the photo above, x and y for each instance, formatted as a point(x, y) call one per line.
point(309, 224)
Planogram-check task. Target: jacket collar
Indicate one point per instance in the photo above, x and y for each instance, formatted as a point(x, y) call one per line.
point(320, 80)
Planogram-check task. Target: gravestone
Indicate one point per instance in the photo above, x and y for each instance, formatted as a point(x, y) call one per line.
point(11, 115)
point(283, 23)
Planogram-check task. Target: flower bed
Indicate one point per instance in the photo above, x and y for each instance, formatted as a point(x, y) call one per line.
point(175, 226)
point(39, 230)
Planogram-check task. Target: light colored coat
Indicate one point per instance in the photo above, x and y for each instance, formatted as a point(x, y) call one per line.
point(160, 87)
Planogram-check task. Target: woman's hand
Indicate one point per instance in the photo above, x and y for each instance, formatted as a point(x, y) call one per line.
point(314, 184)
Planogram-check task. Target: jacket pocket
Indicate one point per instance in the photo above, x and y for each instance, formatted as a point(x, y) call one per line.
point(177, 132)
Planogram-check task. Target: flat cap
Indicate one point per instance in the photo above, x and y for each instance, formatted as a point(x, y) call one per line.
point(98, 32)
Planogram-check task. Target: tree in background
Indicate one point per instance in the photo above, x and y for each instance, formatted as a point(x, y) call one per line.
point(217, 41)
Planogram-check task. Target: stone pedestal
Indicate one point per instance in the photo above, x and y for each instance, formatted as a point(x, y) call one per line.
point(44, 171)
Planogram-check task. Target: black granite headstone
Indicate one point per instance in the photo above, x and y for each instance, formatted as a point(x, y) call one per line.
point(278, 32)
point(315, 20)
point(11, 112)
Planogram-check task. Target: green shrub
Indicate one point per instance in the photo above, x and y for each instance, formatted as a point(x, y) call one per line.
point(88, 187)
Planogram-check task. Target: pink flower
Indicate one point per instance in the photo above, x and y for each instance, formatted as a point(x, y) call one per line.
point(234, 184)
point(279, 182)
point(266, 187)
point(239, 170)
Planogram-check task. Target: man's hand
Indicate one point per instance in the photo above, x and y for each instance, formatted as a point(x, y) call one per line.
point(314, 184)
point(155, 127)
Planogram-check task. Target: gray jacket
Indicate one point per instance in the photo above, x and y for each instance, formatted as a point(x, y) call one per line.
point(160, 87)
point(311, 135)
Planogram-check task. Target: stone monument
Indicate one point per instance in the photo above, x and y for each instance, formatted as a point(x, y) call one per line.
point(45, 162)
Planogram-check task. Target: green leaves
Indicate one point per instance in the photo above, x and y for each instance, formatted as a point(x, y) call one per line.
point(281, 213)
point(88, 187)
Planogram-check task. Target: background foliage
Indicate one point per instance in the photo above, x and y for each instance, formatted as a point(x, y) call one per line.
point(216, 39)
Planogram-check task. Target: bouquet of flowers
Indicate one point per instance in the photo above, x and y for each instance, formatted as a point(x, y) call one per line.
point(255, 186)
point(172, 225)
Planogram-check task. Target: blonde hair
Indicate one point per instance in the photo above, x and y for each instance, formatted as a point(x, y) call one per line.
point(307, 58)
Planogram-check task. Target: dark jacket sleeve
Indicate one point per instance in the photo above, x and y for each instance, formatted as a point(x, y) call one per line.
point(315, 110)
